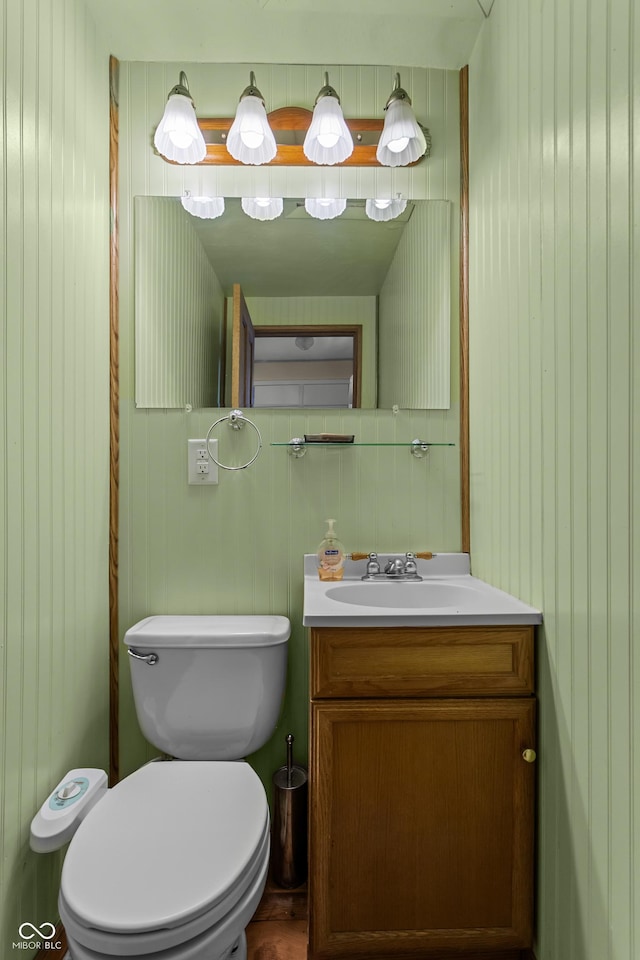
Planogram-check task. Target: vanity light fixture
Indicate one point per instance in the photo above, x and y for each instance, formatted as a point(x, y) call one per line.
point(250, 139)
point(207, 208)
point(324, 208)
point(291, 136)
point(384, 209)
point(178, 136)
point(328, 138)
point(262, 208)
point(402, 140)
point(304, 343)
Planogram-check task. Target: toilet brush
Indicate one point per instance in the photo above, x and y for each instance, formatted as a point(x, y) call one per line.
point(289, 832)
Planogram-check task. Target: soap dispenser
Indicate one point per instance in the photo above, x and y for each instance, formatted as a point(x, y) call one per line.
point(330, 555)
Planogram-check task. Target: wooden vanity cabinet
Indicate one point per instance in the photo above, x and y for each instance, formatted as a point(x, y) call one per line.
point(421, 802)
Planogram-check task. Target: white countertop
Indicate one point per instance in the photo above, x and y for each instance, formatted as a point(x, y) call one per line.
point(448, 595)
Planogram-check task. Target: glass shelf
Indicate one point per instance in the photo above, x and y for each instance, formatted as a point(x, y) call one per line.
point(298, 446)
point(356, 443)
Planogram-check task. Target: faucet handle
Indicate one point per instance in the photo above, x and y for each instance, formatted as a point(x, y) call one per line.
point(410, 565)
point(373, 566)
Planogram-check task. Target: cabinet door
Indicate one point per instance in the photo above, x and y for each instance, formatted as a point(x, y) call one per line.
point(421, 824)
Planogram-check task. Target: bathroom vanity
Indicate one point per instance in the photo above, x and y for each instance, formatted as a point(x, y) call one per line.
point(422, 777)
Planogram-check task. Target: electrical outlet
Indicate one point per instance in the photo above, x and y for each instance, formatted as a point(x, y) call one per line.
point(200, 467)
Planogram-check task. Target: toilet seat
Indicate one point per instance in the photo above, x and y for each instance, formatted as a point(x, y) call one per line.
point(165, 855)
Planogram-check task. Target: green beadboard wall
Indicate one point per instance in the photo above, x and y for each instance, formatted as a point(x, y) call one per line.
point(555, 457)
point(415, 295)
point(179, 322)
point(238, 547)
point(54, 429)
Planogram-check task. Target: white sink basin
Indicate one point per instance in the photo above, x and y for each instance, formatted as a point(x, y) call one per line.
point(410, 595)
point(447, 595)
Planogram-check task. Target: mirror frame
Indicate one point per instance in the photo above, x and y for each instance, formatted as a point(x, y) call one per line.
point(114, 388)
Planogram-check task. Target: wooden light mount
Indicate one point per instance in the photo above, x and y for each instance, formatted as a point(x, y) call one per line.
point(289, 125)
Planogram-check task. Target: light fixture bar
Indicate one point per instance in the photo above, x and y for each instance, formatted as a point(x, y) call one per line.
point(291, 124)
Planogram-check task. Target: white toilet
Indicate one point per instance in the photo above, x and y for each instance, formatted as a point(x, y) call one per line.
point(171, 863)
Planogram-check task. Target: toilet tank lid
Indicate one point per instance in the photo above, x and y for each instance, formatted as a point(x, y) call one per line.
point(208, 631)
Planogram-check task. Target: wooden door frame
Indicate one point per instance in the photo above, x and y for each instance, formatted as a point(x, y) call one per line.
point(465, 502)
point(242, 347)
point(114, 424)
point(114, 428)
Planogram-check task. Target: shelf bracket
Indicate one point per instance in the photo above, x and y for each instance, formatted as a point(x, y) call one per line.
point(297, 447)
point(419, 449)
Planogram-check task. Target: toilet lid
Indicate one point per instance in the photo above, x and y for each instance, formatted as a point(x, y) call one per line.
point(165, 845)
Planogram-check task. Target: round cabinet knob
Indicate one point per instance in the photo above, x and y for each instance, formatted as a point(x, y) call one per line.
point(529, 755)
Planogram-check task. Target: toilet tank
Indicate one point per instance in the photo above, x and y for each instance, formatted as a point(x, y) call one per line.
point(208, 687)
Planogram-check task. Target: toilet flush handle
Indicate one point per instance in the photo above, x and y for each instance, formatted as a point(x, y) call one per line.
point(149, 658)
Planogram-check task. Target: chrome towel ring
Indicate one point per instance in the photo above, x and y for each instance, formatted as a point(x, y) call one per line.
point(236, 419)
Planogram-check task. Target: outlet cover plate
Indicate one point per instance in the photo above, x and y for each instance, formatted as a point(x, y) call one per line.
point(201, 470)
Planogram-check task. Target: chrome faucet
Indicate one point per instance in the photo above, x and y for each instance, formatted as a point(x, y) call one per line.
point(397, 568)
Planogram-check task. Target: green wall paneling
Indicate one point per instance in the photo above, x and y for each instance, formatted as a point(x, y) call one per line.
point(554, 425)
point(54, 430)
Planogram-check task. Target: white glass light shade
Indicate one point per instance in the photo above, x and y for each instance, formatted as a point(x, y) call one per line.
point(251, 139)
point(324, 209)
point(178, 136)
point(328, 139)
point(384, 209)
point(402, 141)
point(262, 208)
point(207, 208)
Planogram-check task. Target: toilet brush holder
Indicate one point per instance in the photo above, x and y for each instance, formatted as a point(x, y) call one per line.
point(289, 830)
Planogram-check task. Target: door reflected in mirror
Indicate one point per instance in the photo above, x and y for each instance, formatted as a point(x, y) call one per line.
point(301, 370)
point(316, 366)
point(391, 280)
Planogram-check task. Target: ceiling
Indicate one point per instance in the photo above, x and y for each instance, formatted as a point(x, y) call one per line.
point(286, 349)
point(296, 255)
point(412, 33)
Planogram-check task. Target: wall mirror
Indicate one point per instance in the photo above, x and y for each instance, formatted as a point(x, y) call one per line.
point(390, 280)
